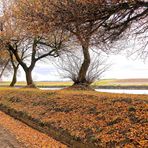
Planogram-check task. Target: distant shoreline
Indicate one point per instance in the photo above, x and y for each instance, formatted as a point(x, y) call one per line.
point(140, 87)
point(100, 84)
point(122, 87)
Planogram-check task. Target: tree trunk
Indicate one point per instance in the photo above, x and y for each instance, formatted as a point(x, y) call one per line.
point(14, 79)
point(84, 68)
point(27, 70)
point(3, 69)
point(29, 79)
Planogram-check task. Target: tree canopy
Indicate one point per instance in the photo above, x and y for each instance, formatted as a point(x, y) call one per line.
point(51, 25)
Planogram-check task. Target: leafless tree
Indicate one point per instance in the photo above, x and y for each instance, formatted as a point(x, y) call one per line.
point(9, 65)
point(15, 66)
point(32, 50)
point(70, 63)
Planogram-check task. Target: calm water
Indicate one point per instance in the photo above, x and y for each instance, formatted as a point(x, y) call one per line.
point(125, 91)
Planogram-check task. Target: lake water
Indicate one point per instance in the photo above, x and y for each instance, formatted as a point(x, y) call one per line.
point(125, 91)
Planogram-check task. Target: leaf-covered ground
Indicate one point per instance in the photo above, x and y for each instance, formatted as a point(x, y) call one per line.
point(26, 136)
point(107, 120)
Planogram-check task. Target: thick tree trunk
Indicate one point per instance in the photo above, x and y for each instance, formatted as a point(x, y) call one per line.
point(29, 79)
point(27, 70)
point(14, 79)
point(84, 68)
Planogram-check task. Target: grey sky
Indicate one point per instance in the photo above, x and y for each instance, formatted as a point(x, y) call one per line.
point(122, 67)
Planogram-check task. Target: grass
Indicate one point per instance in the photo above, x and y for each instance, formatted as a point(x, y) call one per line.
point(103, 82)
point(41, 84)
point(106, 82)
point(104, 119)
point(122, 82)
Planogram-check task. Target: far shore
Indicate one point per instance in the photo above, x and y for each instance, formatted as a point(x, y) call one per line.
point(100, 84)
point(132, 87)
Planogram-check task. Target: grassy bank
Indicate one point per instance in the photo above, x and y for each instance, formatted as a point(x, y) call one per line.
point(40, 84)
point(105, 83)
point(98, 119)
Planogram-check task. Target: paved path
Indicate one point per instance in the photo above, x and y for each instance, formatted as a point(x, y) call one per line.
point(7, 140)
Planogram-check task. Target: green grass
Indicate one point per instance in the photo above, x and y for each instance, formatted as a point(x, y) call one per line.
point(103, 82)
point(58, 83)
point(50, 84)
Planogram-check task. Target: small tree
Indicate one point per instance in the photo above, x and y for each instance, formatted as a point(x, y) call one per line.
point(8, 65)
point(15, 66)
point(69, 66)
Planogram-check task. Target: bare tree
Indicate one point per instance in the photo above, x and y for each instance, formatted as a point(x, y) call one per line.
point(15, 66)
point(8, 64)
point(69, 66)
point(32, 50)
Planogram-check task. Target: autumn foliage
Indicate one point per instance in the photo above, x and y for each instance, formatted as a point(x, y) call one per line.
point(107, 120)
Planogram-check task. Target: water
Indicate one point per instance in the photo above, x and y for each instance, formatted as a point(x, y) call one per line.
point(124, 91)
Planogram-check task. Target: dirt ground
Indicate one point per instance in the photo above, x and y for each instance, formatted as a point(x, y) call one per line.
point(7, 140)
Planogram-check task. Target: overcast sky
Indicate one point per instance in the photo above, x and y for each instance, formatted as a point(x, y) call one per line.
point(122, 67)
